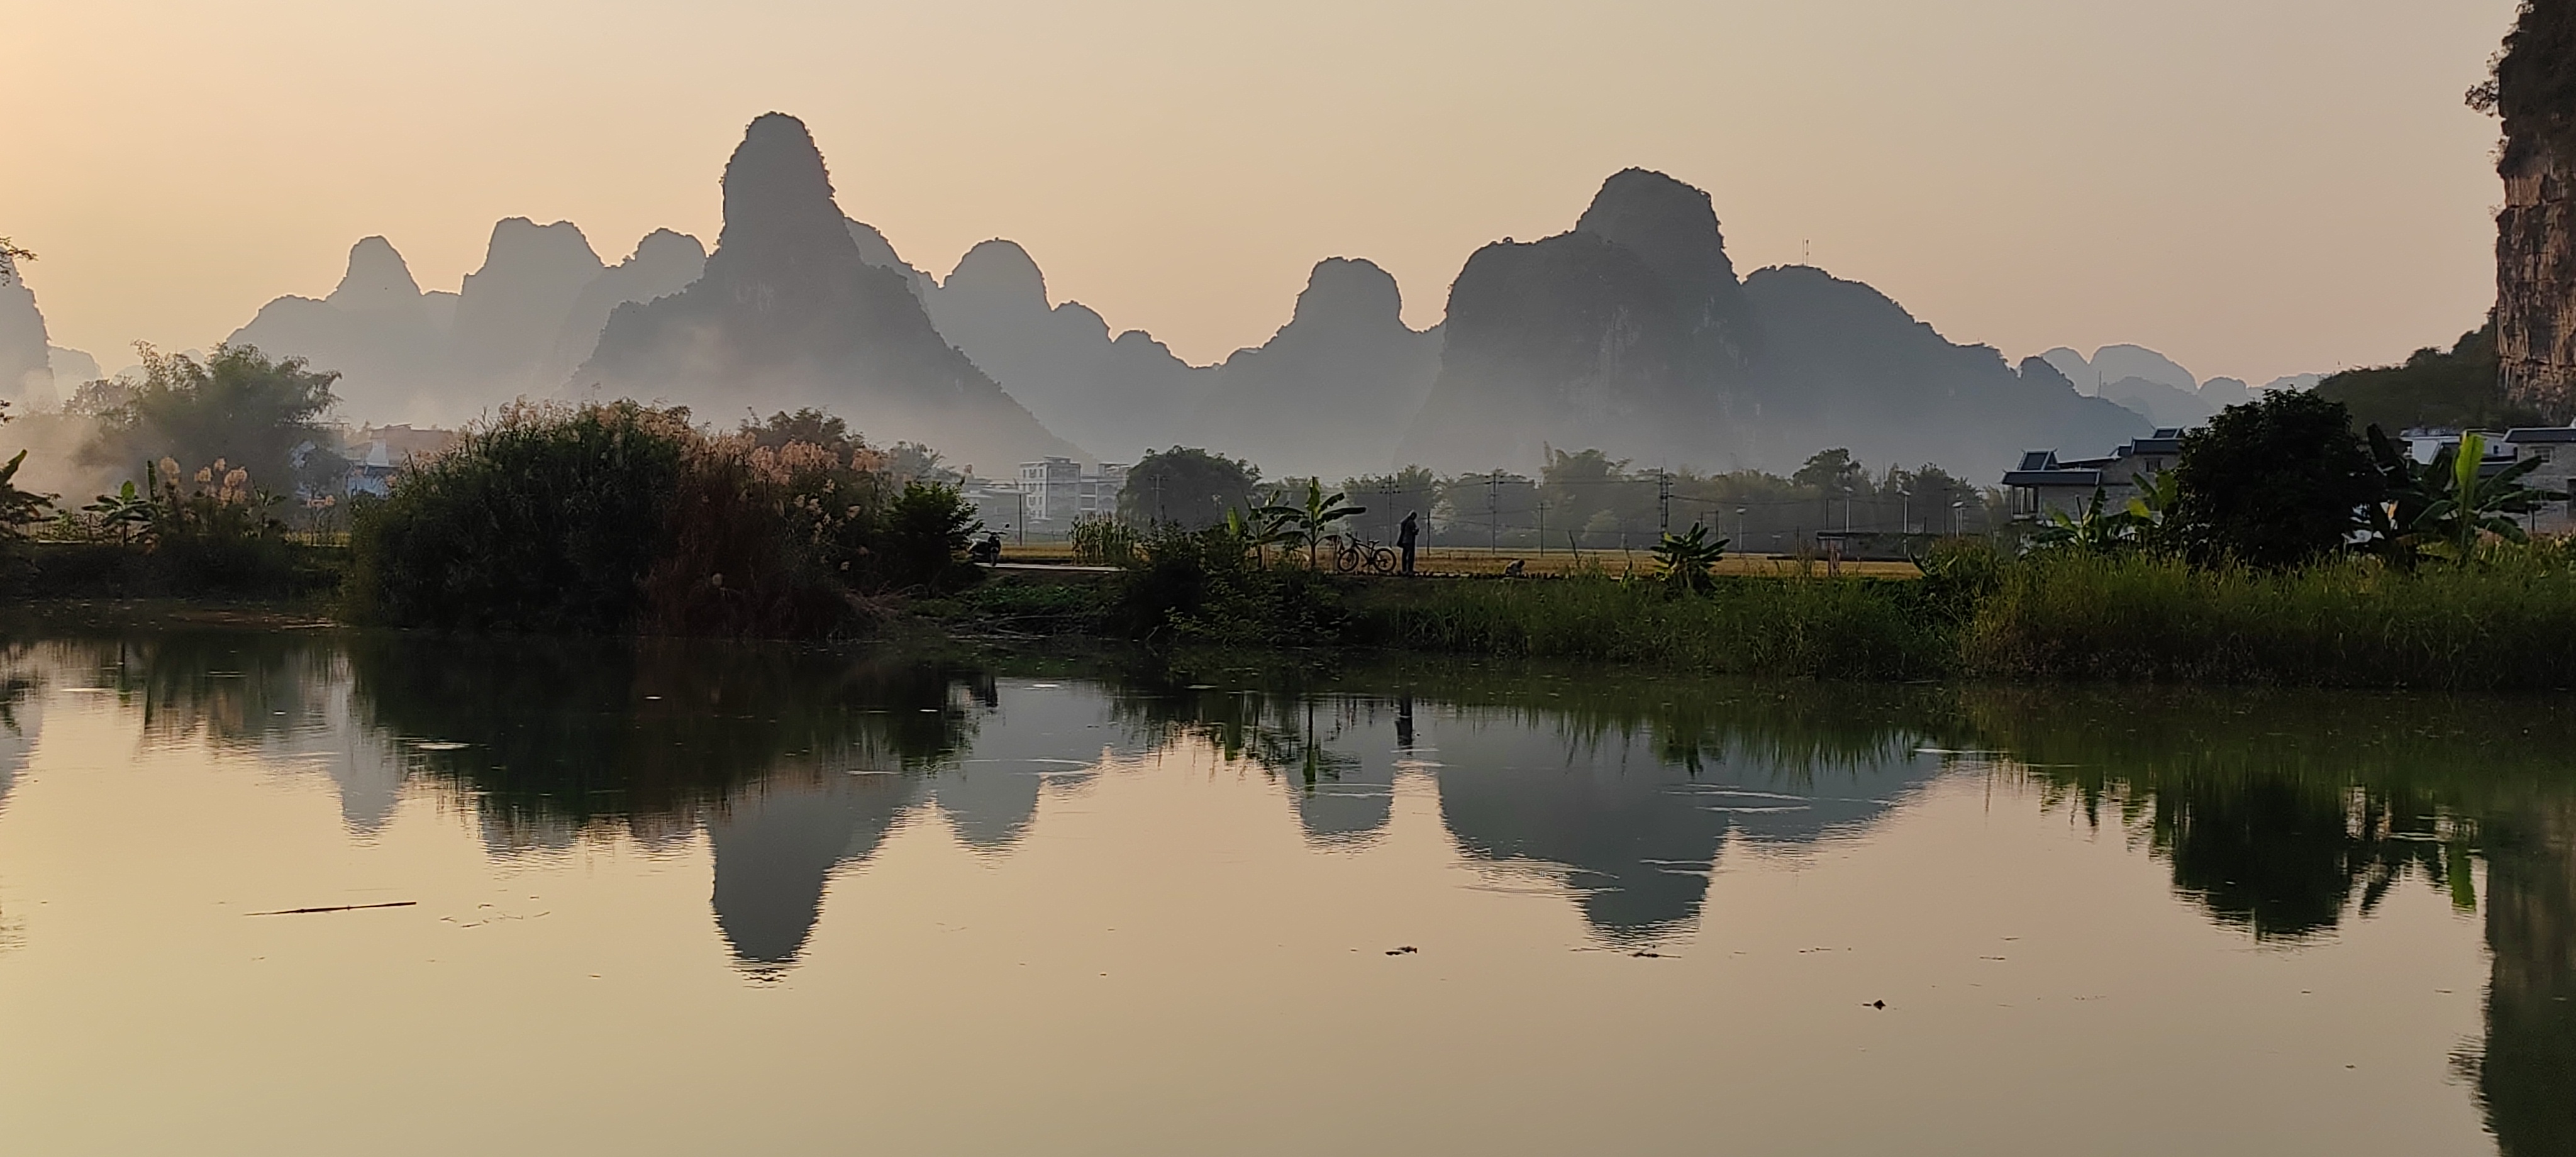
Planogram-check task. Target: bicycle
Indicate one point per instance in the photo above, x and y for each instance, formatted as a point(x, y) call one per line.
point(1351, 556)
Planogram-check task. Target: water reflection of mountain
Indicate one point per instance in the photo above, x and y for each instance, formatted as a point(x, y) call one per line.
point(2527, 1072)
point(2284, 815)
point(778, 841)
point(1637, 829)
point(1625, 789)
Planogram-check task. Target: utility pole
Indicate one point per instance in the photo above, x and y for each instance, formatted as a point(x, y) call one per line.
point(1493, 523)
point(1542, 526)
point(1158, 496)
point(1664, 498)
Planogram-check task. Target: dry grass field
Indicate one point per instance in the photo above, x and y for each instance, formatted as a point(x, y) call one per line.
point(1469, 561)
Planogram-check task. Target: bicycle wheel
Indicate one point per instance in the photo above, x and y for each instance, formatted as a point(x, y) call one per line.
point(1348, 558)
point(1382, 560)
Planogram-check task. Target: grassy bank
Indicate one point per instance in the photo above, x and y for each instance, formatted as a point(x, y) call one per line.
point(2507, 619)
point(268, 572)
point(1846, 628)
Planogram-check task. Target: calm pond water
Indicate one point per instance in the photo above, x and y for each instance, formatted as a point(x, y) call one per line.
point(690, 898)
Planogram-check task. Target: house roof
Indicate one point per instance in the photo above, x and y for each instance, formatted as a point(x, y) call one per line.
point(2086, 479)
point(2539, 435)
point(2045, 468)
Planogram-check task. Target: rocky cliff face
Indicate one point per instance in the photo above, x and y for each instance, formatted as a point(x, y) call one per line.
point(2535, 92)
point(789, 313)
point(2536, 283)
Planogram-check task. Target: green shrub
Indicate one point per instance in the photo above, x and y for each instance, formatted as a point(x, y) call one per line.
point(625, 517)
point(1207, 586)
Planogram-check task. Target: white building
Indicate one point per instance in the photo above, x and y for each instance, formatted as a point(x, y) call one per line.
point(1060, 492)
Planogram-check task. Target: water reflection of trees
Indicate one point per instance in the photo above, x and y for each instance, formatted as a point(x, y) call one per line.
point(1624, 787)
point(2285, 815)
point(2289, 812)
point(794, 759)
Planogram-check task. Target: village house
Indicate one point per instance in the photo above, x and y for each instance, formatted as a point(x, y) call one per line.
point(2044, 482)
point(1058, 492)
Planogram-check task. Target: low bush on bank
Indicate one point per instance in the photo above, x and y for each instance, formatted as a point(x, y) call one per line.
point(623, 517)
point(177, 533)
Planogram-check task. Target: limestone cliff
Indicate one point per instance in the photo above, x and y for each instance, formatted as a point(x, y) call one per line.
point(1332, 391)
point(789, 313)
point(2534, 90)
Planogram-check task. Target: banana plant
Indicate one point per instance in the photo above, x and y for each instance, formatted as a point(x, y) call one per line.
point(1257, 534)
point(2095, 529)
point(124, 512)
point(19, 507)
point(2151, 511)
point(2443, 506)
point(1683, 561)
point(1306, 523)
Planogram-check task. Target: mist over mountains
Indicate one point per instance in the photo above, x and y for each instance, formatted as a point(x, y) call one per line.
point(788, 314)
point(516, 327)
point(1631, 332)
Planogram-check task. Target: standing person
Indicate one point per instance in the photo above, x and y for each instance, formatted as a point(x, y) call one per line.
point(1406, 535)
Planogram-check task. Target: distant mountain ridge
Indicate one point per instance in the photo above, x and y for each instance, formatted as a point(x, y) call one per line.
point(1630, 332)
point(789, 314)
point(2158, 388)
point(438, 357)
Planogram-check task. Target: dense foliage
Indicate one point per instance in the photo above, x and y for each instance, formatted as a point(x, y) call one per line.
point(2455, 389)
point(1189, 487)
point(2533, 86)
point(2274, 482)
point(258, 415)
point(626, 517)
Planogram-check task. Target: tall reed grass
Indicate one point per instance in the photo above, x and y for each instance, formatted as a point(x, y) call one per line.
point(2506, 619)
point(1817, 627)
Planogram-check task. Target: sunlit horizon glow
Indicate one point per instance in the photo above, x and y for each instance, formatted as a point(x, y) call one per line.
point(2255, 187)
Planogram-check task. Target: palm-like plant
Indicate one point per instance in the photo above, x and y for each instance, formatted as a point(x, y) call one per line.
point(2443, 506)
point(1683, 561)
point(124, 512)
point(1307, 523)
point(2095, 529)
point(1258, 531)
point(19, 507)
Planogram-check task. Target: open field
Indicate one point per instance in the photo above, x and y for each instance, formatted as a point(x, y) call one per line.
point(1469, 561)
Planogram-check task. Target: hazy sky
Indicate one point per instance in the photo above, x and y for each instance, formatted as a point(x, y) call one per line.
point(2256, 187)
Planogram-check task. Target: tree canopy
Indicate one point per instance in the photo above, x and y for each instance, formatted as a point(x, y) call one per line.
point(256, 414)
point(1187, 486)
point(2533, 84)
point(2273, 482)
